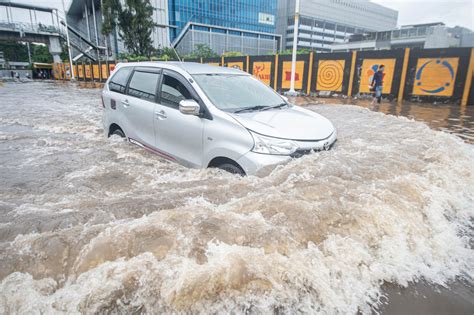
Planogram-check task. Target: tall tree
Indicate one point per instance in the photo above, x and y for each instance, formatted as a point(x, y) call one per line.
point(111, 10)
point(135, 22)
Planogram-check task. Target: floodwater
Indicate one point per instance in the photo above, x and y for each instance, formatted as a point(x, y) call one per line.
point(451, 118)
point(96, 225)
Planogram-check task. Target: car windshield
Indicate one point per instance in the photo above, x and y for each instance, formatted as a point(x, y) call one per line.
point(236, 93)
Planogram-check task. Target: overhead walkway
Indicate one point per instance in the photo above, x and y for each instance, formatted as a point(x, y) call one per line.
point(38, 31)
point(34, 31)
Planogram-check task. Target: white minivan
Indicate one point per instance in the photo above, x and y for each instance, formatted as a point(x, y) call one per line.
point(206, 116)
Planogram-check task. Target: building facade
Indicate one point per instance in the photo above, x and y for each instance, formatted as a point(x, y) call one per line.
point(221, 40)
point(431, 35)
point(324, 22)
point(85, 17)
point(245, 26)
point(250, 15)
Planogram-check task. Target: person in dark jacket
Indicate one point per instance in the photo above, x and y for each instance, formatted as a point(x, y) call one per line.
point(377, 84)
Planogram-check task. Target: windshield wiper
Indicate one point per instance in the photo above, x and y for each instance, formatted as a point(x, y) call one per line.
point(276, 106)
point(252, 108)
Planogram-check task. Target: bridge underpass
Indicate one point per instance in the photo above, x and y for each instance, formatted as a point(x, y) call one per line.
point(43, 31)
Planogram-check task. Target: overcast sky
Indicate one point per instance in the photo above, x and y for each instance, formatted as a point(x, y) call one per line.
point(451, 12)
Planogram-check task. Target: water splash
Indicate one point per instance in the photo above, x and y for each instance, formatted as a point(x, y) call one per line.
point(93, 225)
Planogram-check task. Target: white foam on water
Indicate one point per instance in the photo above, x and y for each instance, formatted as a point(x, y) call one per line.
point(117, 229)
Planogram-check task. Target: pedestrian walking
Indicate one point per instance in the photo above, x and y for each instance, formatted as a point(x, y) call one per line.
point(377, 84)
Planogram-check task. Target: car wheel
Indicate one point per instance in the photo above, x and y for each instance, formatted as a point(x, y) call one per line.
point(231, 168)
point(118, 132)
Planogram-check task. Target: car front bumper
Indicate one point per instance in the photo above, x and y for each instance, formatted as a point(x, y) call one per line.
point(262, 164)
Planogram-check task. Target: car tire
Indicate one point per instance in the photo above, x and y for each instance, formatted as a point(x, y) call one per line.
point(231, 168)
point(118, 132)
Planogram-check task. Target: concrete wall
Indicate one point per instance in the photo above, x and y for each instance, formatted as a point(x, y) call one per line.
point(7, 73)
point(467, 40)
point(439, 37)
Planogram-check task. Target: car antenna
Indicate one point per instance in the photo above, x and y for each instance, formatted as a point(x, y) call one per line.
point(177, 55)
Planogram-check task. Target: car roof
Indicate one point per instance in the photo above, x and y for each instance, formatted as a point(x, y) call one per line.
point(189, 67)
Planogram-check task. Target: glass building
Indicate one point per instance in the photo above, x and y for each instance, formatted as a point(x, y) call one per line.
point(246, 26)
point(252, 15)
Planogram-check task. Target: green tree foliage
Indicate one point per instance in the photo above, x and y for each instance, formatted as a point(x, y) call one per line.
point(18, 51)
point(232, 54)
point(14, 51)
point(135, 23)
point(202, 51)
point(166, 54)
point(111, 10)
point(40, 53)
point(132, 57)
point(64, 55)
point(299, 51)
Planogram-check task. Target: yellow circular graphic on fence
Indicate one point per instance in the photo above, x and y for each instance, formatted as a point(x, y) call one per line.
point(330, 75)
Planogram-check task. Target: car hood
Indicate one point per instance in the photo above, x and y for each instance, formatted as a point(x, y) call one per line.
point(293, 123)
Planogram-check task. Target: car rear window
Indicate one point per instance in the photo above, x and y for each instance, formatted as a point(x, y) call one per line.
point(118, 82)
point(143, 85)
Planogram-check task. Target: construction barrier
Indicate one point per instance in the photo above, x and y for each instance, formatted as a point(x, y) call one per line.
point(429, 75)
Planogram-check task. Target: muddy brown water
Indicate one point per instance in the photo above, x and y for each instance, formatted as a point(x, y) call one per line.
point(451, 118)
point(92, 225)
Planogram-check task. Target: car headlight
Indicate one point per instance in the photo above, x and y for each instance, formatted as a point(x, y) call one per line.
point(269, 145)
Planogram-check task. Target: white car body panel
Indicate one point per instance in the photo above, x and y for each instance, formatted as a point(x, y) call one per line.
point(195, 141)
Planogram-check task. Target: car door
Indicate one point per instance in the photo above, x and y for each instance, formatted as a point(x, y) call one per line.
point(178, 134)
point(139, 105)
point(114, 95)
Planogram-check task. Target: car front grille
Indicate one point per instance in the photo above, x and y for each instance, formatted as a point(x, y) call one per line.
point(299, 153)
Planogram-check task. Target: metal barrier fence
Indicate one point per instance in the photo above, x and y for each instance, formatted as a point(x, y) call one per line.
point(430, 75)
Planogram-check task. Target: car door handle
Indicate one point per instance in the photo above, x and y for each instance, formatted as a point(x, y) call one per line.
point(161, 115)
point(125, 103)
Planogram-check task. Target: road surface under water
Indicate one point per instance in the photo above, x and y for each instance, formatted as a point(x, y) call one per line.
point(451, 118)
point(89, 224)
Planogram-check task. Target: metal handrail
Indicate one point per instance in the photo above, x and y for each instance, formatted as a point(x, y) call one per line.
point(23, 27)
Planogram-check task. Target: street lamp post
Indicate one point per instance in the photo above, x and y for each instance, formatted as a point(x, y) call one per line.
point(295, 42)
point(71, 69)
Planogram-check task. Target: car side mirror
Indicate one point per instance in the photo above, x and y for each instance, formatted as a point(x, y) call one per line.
point(284, 98)
point(189, 107)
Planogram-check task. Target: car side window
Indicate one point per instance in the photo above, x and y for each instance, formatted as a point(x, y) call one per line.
point(173, 91)
point(143, 85)
point(118, 82)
